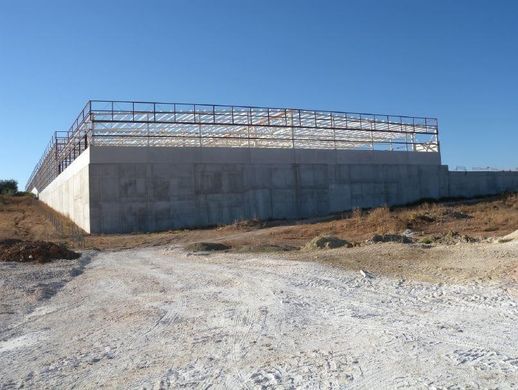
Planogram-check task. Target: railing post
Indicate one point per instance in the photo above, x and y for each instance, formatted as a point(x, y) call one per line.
point(293, 131)
point(437, 136)
point(147, 128)
point(413, 135)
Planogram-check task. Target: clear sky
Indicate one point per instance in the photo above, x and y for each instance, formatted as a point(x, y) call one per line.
point(455, 60)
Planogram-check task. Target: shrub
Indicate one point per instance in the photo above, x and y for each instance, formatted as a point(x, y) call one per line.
point(207, 247)
point(326, 242)
point(8, 187)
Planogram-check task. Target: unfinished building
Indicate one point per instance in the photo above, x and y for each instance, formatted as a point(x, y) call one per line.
point(137, 166)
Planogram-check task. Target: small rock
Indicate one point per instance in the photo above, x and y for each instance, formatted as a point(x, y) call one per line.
point(94, 359)
point(409, 233)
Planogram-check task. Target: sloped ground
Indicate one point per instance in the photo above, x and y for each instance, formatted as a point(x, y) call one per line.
point(28, 219)
point(166, 318)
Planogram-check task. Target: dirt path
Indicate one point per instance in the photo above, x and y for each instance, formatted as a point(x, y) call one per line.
point(157, 318)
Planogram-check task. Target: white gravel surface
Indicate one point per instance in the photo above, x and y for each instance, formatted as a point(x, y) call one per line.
point(151, 318)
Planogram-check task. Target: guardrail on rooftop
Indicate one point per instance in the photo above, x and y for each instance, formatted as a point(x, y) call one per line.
point(127, 123)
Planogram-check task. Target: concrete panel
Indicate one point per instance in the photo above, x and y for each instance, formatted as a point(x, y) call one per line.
point(189, 213)
point(342, 174)
point(284, 204)
point(392, 196)
point(312, 202)
point(284, 177)
point(429, 182)
point(313, 176)
point(339, 198)
point(365, 173)
point(257, 177)
point(258, 204)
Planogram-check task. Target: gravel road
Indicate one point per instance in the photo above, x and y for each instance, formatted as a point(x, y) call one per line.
point(163, 318)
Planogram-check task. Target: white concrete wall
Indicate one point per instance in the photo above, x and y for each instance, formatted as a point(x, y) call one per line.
point(149, 189)
point(126, 189)
point(471, 184)
point(69, 193)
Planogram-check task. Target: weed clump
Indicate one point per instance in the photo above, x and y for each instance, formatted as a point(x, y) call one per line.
point(207, 247)
point(326, 242)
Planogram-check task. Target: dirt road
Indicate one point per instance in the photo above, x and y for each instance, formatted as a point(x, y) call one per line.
point(163, 318)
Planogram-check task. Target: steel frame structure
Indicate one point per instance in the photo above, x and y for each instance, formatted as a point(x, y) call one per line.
point(128, 123)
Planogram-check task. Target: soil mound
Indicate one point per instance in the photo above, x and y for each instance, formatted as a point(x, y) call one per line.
point(34, 251)
point(207, 247)
point(326, 242)
point(450, 238)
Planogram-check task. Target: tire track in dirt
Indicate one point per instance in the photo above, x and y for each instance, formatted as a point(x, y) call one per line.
point(258, 321)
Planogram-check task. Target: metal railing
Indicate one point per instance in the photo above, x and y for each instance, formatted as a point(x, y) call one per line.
point(127, 123)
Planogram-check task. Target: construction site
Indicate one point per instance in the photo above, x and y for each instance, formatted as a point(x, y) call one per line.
point(139, 167)
point(258, 195)
point(173, 245)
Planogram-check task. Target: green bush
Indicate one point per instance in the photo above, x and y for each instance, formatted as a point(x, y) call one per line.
point(8, 187)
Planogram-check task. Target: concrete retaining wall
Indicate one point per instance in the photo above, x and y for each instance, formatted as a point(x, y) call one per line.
point(471, 184)
point(151, 189)
point(69, 193)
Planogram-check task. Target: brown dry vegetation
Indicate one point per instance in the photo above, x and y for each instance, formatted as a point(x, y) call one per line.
point(496, 216)
point(28, 219)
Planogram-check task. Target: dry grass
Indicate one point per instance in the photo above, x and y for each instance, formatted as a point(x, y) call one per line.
point(495, 216)
point(383, 221)
point(28, 219)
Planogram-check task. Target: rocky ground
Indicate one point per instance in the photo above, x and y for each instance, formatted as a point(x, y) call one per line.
point(386, 315)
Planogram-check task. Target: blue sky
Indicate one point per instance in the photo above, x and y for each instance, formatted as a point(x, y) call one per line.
point(455, 60)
